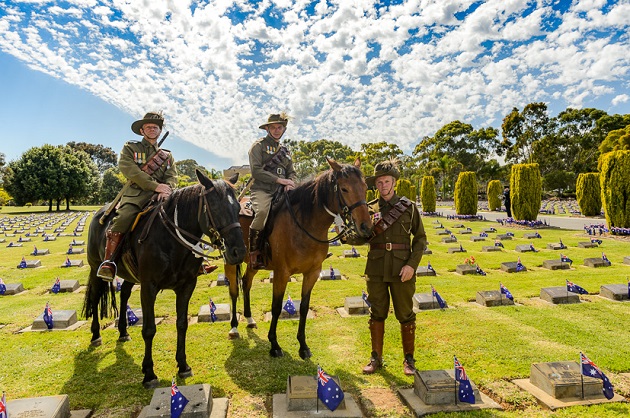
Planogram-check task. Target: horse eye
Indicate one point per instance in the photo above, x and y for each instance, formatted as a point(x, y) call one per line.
point(343, 189)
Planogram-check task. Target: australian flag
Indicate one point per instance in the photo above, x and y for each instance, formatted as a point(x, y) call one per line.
point(626, 279)
point(598, 241)
point(118, 284)
point(289, 306)
point(34, 249)
point(506, 292)
point(3, 406)
point(430, 267)
point(68, 263)
point(213, 309)
point(606, 260)
point(332, 273)
point(562, 246)
point(465, 393)
point(178, 401)
point(572, 287)
point(483, 235)
point(437, 297)
point(519, 265)
point(565, 259)
point(48, 316)
point(354, 252)
point(132, 319)
point(531, 247)
point(498, 243)
point(590, 369)
point(478, 270)
point(3, 287)
point(69, 250)
point(328, 391)
point(364, 296)
point(22, 264)
point(56, 287)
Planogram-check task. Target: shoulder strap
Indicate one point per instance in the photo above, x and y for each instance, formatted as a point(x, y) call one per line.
point(392, 216)
point(156, 161)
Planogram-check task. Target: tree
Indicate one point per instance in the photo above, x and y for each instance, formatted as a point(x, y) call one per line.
point(113, 182)
point(615, 185)
point(104, 157)
point(406, 189)
point(80, 175)
point(466, 193)
point(187, 168)
point(2, 167)
point(589, 194)
point(309, 157)
point(616, 140)
point(446, 168)
point(575, 143)
point(522, 130)
point(494, 193)
point(525, 191)
point(427, 194)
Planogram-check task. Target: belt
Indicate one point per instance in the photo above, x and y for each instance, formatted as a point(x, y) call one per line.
point(389, 246)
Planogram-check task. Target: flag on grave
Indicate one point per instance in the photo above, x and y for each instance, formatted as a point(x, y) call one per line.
point(118, 284)
point(3, 406)
point(437, 297)
point(56, 287)
point(606, 260)
point(498, 243)
point(465, 392)
point(354, 252)
point(478, 270)
point(430, 267)
point(364, 296)
point(598, 241)
point(565, 259)
point(22, 264)
point(531, 247)
point(506, 292)
point(3, 287)
point(519, 265)
point(213, 309)
point(132, 319)
point(34, 249)
point(67, 263)
point(572, 287)
point(590, 369)
point(289, 306)
point(178, 401)
point(332, 273)
point(48, 316)
point(562, 246)
point(626, 279)
point(328, 391)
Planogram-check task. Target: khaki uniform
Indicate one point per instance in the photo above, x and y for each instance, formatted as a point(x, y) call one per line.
point(383, 266)
point(133, 156)
point(264, 182)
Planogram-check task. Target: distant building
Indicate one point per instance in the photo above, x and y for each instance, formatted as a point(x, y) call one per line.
point(242, 170)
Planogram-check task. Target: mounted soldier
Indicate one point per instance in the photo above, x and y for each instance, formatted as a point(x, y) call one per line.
point(149, 171)
point(272, 169)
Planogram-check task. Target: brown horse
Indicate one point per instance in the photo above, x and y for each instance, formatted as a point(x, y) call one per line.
point(297, 241)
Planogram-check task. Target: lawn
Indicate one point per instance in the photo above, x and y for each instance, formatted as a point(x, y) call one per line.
point(495, 345)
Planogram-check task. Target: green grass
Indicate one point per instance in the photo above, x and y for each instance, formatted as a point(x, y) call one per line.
point(496, 345)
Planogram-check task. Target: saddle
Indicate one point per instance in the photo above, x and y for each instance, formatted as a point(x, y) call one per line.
point(247, 211)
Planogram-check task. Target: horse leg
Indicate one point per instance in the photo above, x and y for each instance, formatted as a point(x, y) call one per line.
point(279, 287)
point(147, 297)
point(230, 273)
point(95, 287)
point(307, 287)
point(248, 280)
point(181, 303)
point(125, 293)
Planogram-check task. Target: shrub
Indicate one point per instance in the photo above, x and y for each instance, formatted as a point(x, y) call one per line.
point(589, 194)
point(466, 193)
point(404, 188)
point(370, 195)
point(615, 185)
point(525, 191)
point(427, 194)
point(495, 191)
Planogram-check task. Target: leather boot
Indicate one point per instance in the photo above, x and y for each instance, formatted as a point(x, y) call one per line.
point(107, 269)
point(377, 331)
point(408, 333)
point(255, 255)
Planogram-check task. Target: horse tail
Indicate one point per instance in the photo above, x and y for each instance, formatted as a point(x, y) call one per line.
point(103, 291)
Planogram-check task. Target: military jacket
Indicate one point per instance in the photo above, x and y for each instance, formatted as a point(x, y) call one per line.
point(385, 265)
point(133, 156)
point(260, 154)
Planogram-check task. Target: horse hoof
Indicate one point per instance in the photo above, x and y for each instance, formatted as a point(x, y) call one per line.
point(304, 354)
point(251, 323)
point(151, 384)
point(124, 338)
point(97, 342)
point(186, 373)
point(276, 353)
point(234, 334)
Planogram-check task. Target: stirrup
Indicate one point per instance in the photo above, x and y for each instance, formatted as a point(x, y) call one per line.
point(104, 269)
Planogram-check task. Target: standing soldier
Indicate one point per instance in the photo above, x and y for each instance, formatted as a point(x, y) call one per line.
point(394, 255)
point(272, 168)
point(149, 170)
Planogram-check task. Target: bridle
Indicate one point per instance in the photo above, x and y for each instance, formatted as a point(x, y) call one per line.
point(341, 219)
point(215, 232)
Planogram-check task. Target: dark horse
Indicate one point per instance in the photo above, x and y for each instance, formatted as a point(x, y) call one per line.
point(298, 242)
point(161, 255)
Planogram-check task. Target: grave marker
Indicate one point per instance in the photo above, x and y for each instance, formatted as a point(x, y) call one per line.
point(13, 289)
point(330, 274)
point(491, 298)
point(596, 262)
point(556, 265)
point(614, 291)
point(558, 295)
point(490, 248)
point(465, 269)
point(425, 271)
point(223, 313)
point(426, 301)
point(62, 319)
point(456, 250)
point(477, 238)
point(353, 305)
point(200, 403)
point(588, 244)
point(513, 267)
point(504, 237)
point(523, 248)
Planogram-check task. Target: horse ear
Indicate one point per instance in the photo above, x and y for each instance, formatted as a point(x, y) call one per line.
point(232, 180)
point(357, 162)
point(333, 164)
point(203, 179)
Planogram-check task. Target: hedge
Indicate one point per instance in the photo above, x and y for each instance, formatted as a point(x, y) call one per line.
point(495, 191)
point(405, 188)
point(589, 194)
point(615, 184)
point(427, 194)
point(525, 191)
point(466, 193)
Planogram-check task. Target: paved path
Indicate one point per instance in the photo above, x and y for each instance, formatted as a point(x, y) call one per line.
point(564, 222)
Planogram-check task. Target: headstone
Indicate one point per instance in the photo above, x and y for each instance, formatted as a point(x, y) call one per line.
point(503, 237)
point(425, 271)
point(556, 265)
point(563, 379)
point(459, 226)
point(531, 236)
point(77, 242)
point(23, 239)
point(438, 387)
point(355, 305)
point(200, 402)
point(73, 250)
point(73, 263)
point(489, 230)
point(61, 320)
point(223, 313)
point(325, 274)
point(425, 301)
point(596, 262)
point(490, 298)
point(137, 312)
point(556, 246)
point(221, 280)
point(477, 238)
point(428, 251)
point(510, 267)
point(523, 248)
point(465, 269)
point(284, 315)
point(442, 232)
point(587, 244)
point(31, 264)
point(449, 239)
point(465, 231)
point(56, 406)
point(456, 250)
point(14, 245)
point(68, 285)
point(13, 289)
point(351, 254)
point(490, 248)
point(558, 295)
point(50, 238)
point(41, 251)
point(626, 260)
point(614, 291)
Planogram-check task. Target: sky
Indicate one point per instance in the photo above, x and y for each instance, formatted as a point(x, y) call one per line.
point(353, 71)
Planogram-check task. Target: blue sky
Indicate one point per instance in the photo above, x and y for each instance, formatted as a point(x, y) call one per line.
point(354, 71)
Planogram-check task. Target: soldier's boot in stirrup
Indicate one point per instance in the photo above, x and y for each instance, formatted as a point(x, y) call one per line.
point(107, 269)
point(377, 332)
point(255, 255)
point(408, 333)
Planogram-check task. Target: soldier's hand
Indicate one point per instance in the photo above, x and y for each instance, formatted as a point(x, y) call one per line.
point(163, 189)
point(406, 273)
point(287, 183)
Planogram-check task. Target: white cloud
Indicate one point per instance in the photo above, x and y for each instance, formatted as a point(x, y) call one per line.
point(621, 98)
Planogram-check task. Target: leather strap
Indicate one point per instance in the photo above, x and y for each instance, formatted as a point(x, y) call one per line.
point(156, 161)
point(392, 216)
point(390, 246)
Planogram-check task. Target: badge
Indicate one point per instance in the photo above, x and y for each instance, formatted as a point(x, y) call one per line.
point(376, 217)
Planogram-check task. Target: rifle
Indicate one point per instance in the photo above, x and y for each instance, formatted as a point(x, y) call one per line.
point(114, 202)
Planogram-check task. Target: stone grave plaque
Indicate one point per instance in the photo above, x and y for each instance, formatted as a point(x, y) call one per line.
point(456, 250)
point(2, 240)
point(556, 246)
point(626, 260)
point(442, 232)
point(355, 305)
point(459, 226)
point(13, 289)
point(426, 301)
point(427, 251)
point(610, 291)
point(556, 265)
point(510, 267)
point(562, 380)
point(504, 237)
point(477, 238)
point(523, 248)
point(558, 295)
point(587, 244)
point(200, 402)
point(41, 251)
point(449, 239)
point(14, 245)
point(74, 263)
point(489, 230)
point(465, 232)
point(68, 285)
point(438, 387)
point(77, 242)
point(490, 248)
point(284, 315)
point(31, 264)
point(302, 394)
point(490, 298)
point(50, 238)
point(325, 274)
point(222, 281)
point(61, 320)
point(8, 235)
point(27, 239)
point(531, 236)
point(351, 254)
point(596, 262)
point(465, 269)
point(73, 250)
point(424, 271)
point(223, 312)
point(57, 406)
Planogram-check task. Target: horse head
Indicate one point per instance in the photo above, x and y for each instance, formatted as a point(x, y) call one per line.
point(220, 222)
point(351, 189)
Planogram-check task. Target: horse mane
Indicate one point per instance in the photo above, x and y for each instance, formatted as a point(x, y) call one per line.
point(315, 193)
point(187, 198)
